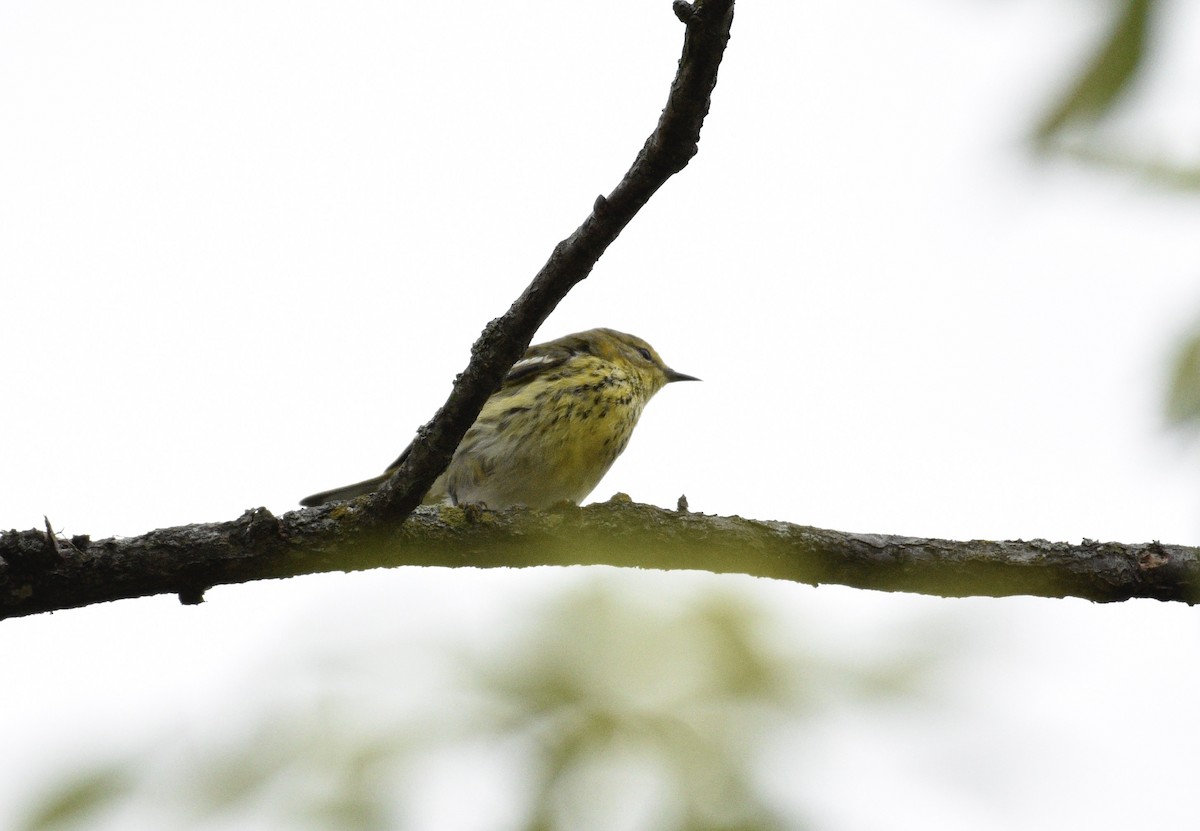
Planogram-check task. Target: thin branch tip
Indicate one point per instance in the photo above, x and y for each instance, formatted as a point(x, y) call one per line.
point(685, 11)
point(192, 596)
point(51, 541)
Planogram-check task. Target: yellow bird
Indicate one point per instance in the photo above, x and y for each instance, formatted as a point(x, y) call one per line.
point(563, 415)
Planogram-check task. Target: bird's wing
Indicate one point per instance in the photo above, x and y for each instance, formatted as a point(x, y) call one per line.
point(545, 356)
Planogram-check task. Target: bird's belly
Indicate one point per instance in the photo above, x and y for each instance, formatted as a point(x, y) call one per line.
point(562, 460)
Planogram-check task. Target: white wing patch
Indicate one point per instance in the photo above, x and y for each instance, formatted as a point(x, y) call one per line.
point(529, 363)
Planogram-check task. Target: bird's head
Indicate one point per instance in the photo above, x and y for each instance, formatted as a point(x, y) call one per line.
point(636, 355)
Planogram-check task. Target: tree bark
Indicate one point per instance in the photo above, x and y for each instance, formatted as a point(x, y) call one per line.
point(40, 573)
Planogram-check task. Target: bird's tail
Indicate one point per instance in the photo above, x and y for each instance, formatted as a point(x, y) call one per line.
point(345, 492)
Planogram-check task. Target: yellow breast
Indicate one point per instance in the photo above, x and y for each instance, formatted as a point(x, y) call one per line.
point(547, 441)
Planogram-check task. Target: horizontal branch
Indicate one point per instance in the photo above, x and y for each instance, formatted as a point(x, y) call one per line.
point(40, 573)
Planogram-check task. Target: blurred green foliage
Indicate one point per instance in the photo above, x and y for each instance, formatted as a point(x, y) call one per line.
point(1183, 391)
point(1108, 80)
point(1072, 125)
point(608, 708)
point(1107, 75)
point(73, 803)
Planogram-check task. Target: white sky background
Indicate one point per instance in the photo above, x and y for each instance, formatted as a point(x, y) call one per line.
point(245, 248)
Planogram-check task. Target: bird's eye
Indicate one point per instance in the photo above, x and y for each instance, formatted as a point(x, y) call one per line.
point(645, 353)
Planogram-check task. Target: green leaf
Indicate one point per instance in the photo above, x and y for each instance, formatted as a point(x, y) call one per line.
point(1183, 396)
point(79, 800)
point(1108, 75)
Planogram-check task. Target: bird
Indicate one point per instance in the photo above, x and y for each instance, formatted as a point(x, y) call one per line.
point(563, 414)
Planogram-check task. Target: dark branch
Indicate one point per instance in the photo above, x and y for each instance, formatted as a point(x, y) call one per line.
point(46, 574)
point(504, 340)
point(37, 575)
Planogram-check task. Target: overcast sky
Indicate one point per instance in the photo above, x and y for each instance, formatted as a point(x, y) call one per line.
point(247, 246)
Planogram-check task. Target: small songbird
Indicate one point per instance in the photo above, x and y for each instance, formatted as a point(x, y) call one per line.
point(562, 416)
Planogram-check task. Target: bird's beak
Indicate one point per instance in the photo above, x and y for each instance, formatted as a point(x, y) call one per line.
point(672, 375)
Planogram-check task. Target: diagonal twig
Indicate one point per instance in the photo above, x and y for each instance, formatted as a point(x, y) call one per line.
point(667, 151)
